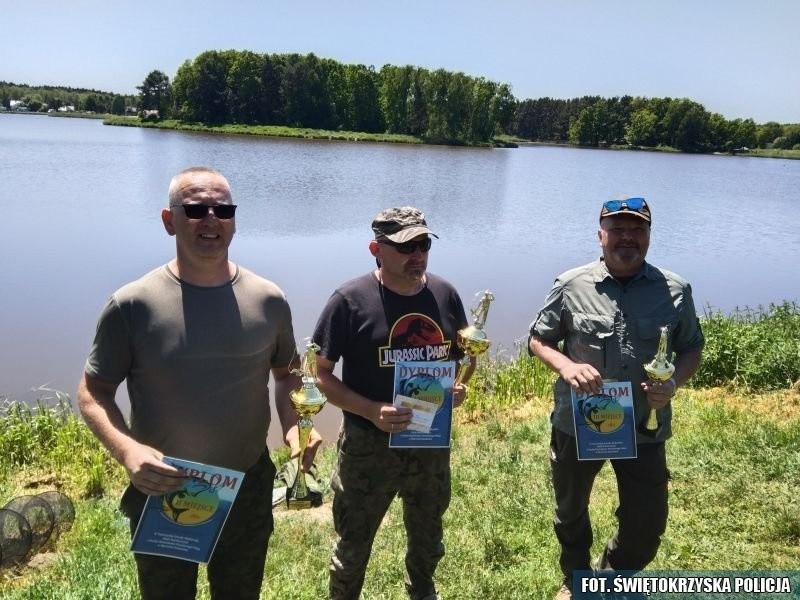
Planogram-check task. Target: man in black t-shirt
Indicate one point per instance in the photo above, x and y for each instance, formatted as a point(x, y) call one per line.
point(397, 312)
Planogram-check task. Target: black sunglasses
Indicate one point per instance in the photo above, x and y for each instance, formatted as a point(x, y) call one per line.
point(409, 247)
point(199, 211)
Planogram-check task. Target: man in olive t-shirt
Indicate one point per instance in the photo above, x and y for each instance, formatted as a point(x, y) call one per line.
point(196, 341)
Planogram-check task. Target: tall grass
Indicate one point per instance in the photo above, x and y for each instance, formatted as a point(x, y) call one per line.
point(756, 350)
point(48, 445)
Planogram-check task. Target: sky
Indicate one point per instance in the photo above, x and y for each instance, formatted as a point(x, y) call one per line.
point(739, 58)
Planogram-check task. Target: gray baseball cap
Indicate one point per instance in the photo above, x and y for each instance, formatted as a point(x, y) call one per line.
point(400, 224)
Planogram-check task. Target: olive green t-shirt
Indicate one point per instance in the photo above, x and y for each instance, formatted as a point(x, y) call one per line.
point(197, 362)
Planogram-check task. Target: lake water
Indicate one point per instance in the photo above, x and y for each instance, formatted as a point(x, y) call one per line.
point(81, 204)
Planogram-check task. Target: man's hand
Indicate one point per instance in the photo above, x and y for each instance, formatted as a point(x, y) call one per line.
point(659, 393)
point(148, 473)
point(292, 440)
point(582, 377)
point(391, 418)
point(459, 394)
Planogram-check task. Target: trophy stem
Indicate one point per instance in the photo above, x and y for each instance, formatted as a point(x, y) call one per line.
point(299, 493)
point(652, 421)
point(463, 366)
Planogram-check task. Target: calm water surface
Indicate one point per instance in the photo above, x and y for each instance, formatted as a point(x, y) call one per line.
point(81, 204)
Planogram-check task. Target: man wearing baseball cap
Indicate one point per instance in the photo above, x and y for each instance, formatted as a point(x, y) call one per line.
point(394, 312)
point(608, 315)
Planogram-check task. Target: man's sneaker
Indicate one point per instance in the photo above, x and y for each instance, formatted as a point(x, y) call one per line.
point(564, 593)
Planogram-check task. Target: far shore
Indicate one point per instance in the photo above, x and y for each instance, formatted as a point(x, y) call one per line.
point(502, 141)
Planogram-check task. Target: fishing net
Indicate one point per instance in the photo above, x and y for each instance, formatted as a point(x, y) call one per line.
point(15, 538)
point(40, 516)
point(63, 510)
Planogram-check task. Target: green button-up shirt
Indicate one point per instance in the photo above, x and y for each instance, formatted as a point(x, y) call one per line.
point(615, 327)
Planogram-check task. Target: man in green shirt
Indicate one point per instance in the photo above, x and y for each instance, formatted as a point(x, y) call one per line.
point(609, 314)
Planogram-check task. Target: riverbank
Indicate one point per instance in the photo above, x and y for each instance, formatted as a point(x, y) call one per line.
point(501, 141)
point(294, 132)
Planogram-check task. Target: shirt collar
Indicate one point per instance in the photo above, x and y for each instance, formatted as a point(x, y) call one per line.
point(600, 271)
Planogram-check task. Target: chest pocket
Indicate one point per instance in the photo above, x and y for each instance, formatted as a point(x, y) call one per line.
point(589, 337)
point(648, 330)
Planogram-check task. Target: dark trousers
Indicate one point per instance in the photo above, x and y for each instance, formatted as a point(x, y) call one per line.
point(641, 514)
point(368, 476)
point(236, 569)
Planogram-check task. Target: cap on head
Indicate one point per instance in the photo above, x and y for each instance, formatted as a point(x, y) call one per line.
point(400, 224)
point(636, 207)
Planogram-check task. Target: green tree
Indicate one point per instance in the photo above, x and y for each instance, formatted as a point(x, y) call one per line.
point(481, 123)
point(118, 105)
point(416, 103)
point(394, 94)
point(592, 125)
point(364, 112)
point(502, 109)
point(208, 96)
point(306, 102)
point(246, 88)
point(641, 129)
point(436, 104)
point(155, 93)
point(743, 134)
point(766, 134)
point(271, 76)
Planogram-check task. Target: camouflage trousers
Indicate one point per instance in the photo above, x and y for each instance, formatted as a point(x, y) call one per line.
point(236, 569)
point(367, 478)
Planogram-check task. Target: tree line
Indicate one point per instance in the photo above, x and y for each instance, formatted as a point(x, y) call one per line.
point(677, 123)
point(306, 91)
point(294, 90)
point(44, 98)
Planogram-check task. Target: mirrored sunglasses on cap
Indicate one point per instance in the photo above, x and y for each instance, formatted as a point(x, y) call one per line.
point(634, 206)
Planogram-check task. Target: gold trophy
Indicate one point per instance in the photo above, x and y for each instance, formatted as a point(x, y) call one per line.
point(472, 339)
point(307, 401)
point(659, 369)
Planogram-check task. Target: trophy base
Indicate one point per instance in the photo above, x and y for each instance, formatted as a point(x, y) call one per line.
point(651, 433)
point(298, 503)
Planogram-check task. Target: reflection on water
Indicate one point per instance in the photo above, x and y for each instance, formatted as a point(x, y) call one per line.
point(81, 207)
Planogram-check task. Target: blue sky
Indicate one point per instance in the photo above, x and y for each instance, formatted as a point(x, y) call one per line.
point(736, 57)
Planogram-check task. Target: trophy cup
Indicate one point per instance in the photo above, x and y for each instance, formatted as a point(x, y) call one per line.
point(659, 369)
point(472, 339)
point(307, 401)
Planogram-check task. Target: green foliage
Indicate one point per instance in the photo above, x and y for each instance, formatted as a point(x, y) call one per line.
point(757, 350)
point(305, 91)
point(44, 98)
point(49, 442)
point(155, 93)
point(499, 383)
point(680, 124)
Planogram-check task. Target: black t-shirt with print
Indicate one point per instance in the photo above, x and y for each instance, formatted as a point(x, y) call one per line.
point(370, 328)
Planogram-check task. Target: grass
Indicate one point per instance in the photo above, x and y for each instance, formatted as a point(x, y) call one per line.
point(288, 132)
point(734, 460)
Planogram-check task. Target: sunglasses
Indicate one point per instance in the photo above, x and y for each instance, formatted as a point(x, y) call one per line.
point(628, 204)
point(410, 247)
point(199, 211)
